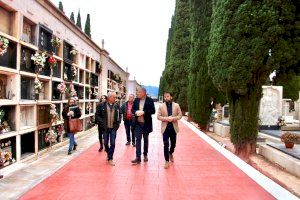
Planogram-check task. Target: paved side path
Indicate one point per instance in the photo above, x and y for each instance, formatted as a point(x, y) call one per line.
point(199, 172)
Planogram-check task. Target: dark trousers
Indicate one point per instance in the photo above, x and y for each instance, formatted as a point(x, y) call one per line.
point(169, 135)
point(110, 137)
point(129, 127)
point(100, 135)
point(139, 133)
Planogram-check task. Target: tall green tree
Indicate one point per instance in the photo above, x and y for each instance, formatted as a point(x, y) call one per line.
point(87, 27)
point(60, 6)
point(163, 84)
point(201, 90)
point(72, 18)
point(177, 70)
point(78, 22)
point(249, 40)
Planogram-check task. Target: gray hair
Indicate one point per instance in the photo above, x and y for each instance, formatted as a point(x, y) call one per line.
point(109, 94)
point(143, 88)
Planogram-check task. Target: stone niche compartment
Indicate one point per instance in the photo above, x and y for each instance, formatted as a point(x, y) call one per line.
point(55, 93)
point(87, 78)
point(66, 54)
point(9, 59)
point(80, 91)
point(45, 36)
point(7, 19)
point(9, 118)
point(98, 68)
point(87, 94)
point(57, 70)
point(94, 80)
point(27, 64)
point(81, 76)
point(43, 114)
point(45, 93)
point(27, 144)
point(27, 117)
point(8, 148)
point(27, 88)
point(29, 31)
point(68, 73)
point(8, 88)
point(42, 144)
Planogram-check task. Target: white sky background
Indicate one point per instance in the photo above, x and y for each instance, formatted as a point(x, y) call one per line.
point(135, 32)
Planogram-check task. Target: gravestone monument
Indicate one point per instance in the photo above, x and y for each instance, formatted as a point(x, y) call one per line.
point(270, 105)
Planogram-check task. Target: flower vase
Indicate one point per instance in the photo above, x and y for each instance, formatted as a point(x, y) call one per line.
point(289, 145)
point(36, 96)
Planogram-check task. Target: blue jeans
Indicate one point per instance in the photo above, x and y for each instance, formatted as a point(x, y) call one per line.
point(110, 136)
point(129, 127)
point(72, 141)
point(139, 133)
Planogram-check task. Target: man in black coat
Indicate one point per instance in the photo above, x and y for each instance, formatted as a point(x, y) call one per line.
point(143, 108)
point(108, 116)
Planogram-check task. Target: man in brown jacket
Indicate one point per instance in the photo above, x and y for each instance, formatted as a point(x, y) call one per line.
point(169, 113)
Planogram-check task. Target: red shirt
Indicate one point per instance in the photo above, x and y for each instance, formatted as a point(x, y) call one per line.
point(129, 108)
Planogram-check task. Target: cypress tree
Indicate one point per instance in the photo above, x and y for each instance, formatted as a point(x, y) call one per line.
point(87, 27)
point(78, 22)
point(177, 70)
point(72, 17)
point(60, 6)
point(201, 89)
point(242, 36)
point(163, 84)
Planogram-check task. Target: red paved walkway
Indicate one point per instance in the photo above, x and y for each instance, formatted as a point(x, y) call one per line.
point(199, 172)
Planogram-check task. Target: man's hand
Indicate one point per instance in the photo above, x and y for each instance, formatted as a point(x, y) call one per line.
point(139, 113)
point(170, 119)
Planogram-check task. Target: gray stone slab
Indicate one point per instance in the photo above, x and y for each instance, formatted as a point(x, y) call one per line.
point(276, 133)
point(294, 152)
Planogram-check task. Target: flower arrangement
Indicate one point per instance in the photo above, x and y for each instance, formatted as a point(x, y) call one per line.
point(62, 88)
point(74, 71)
point(3, 45)
point(60, 129)
point(73, 52)
point(117, 78)
point(53, 113)
point(39, 59)
point(290, 137)
point(71, 91)
point(2, 113)
point(90, 92)
point(281, 122)
point(51, 137)
point(95, 94)
point(52, 62)
point(55, 42)
point(88, 106)
point(38, 86)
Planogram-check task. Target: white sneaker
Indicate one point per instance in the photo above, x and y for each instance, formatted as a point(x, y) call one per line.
point(111, 162)
point(167, 165)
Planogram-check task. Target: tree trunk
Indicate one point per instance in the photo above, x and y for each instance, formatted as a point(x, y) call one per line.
point(244, 111)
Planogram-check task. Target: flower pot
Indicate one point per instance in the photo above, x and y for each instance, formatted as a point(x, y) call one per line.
point(289, 145)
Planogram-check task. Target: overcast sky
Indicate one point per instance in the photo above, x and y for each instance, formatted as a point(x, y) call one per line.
point(135, 32)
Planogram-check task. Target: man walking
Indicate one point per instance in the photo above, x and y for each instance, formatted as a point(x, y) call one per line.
point(143, 108)
point(169, 113)
point(109, 117)
point(126, 110)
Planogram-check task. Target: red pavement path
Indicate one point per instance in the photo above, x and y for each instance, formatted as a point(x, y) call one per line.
point(199, 172)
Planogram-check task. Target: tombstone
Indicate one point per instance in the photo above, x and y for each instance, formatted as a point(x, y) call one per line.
point(225, 112)
point(270, 105)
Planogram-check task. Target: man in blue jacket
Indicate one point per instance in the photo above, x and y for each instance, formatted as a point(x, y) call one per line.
point(143, 108)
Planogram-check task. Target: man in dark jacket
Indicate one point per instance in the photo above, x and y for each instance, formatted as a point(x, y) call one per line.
point(108, 116)
point(143, 108)
point(126, 111)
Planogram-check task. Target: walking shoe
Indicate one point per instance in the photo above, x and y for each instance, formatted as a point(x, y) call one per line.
point(136, 161)
point(69, 152)
point(100, 149)
point(133, 144)
point(171, 158)
point(167, 165)
point(111, 162)
point(127, 143)
point(75, 147)
point(145, 158)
